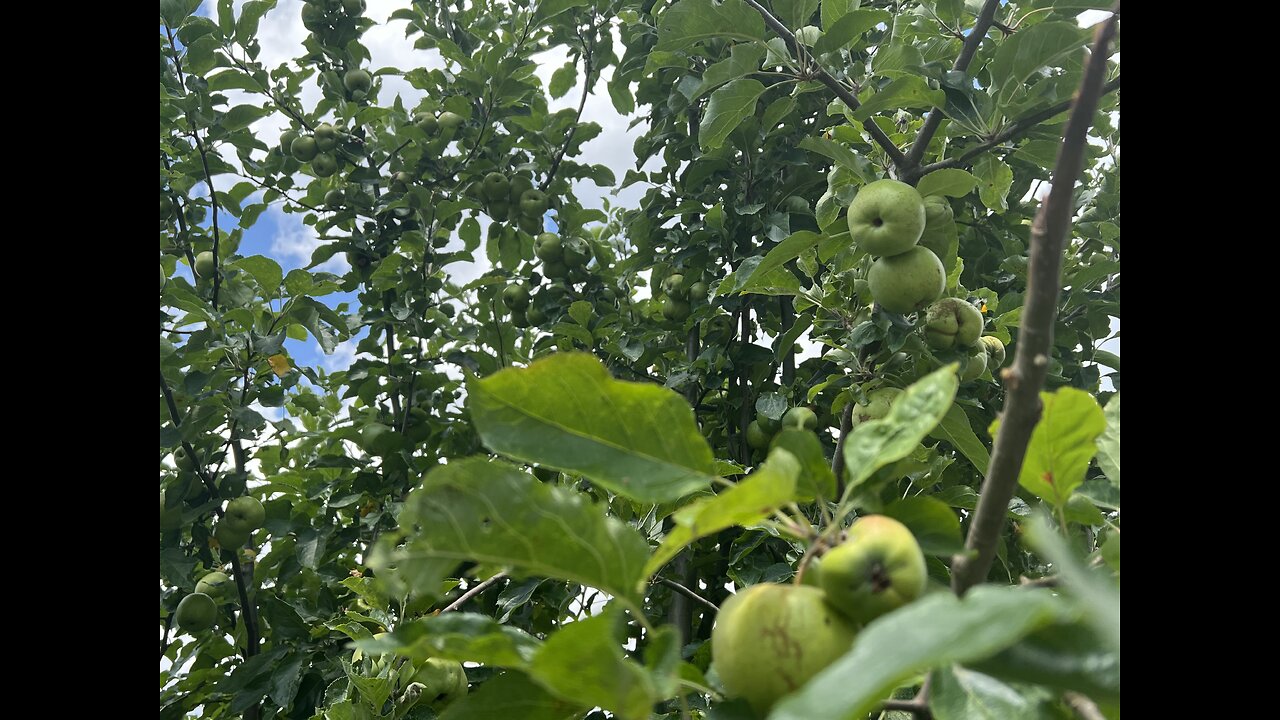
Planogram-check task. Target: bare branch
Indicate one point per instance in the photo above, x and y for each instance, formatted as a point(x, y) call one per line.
point(472, 592)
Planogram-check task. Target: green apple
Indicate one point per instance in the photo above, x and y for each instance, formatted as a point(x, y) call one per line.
point(813, 574)
point(231, 536)
point(533, 203)
point(879, 401)
point(675, 310)
point(286, 141)
point(379, 439)
point(886, 217)
point(770, 639)
point(975, 361)
point(443, 681)
point(555, 269)
point(720, 328)
point(217, 585)
point(357, 79)
point(170, 517)
point(674, 286)
point(800, 417)
point(877, 569)
point(304, 149)
point(758, 437)
point(313, 18)
point(907, 282)
point(939, 224)
point(576, 252)
point(995, 352)
point(535, 317)
point(427, 123)
point(205, 264)
point(698, 291)
point(520, 184)
point(326, 137)
point(767, 423)
point(952, 322)
point(547, 247)
point(196, 612)
point(245, 512)
point(333, 199)
point(450, 121)
point(496, 187)
point(324, 165)
point(515, 297)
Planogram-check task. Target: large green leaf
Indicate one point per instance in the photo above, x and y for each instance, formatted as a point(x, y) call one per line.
point(876, 443)
point(726, 109)
point(1066, 656)
point(960, 694)
point(511, 695)
point(583, 662)
point(956, 429)
point(743, 58)
point(849, 27)
point(1062, 444)
point(934, 631)
point(994, 180)
point(465, 637)
point(781, 254)
point(771, 486)
point(1109, 442)
point(816, 479)
point(1028, 50)
point(910, 91)
point(689, 21)
point(951, 182)
point(564, 411)
point(932, 521)
point(491, 512)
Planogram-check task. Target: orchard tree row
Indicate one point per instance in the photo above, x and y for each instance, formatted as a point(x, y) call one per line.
point(822, 427)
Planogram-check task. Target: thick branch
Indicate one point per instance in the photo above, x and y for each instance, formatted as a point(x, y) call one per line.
point(842, 92)
point(1014, 130)
point(689, 594)
point(1044, 284)
point(971, 44)
point(247, 612)
point(472, 592)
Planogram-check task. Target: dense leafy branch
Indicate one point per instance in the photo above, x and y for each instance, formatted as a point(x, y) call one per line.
point(1024, 380)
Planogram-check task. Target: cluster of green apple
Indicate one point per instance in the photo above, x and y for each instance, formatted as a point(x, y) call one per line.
point(953, 324)
point(513, 199)
point(678, 291)
point(324, 17)
point(761, 430)
point(317, 147)
point(241, 517)
point(199, 610)
point(771, 639)
point(907, 234)
point(435, 681)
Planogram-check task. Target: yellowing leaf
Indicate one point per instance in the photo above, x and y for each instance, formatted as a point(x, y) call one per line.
point(279, 365)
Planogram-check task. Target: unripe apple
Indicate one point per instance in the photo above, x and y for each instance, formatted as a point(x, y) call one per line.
point(952, 322)
point(520, 184)
point(576, 252)
point(378, 439)
point(450, 121)
point(907, 282)
point(286, 141)
point(196, 612)
point(533, 203)
point(326, 137)
point(801, 417)
point(698, 291)
point(205, 264)
point(995, 352)
point(496, 186)
point(673, 285)
point(444, 681)
point(770, 639)
point(304, 149)
point(675, 310)
point(324, 165)
point(353, 8)
point(427, 123)
point(547, 247)
point(879, 401)
point(245, 512)
point(170, 517)
point(975, 362)
point(939, 222)
point(535, 317)
point(757, 436)
point(886, 218)
point(813, 574)
point(767, 423)
point(231, 536)
point(218, 586)
point(877, 569)
point(333, 199)
point(555, 269)
point(515, 297)
point(357, 79)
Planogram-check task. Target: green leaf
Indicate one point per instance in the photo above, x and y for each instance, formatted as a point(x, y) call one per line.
point(511, 695)
point(932, 521)
point(242, 116)
point(1098, 595)
point(934, 631)
point(727, 108)
point(836, 151)
point(743, 59)
point(833, 10)
point(956, 429)
point(583, 662)
point(493, 513)
point(782, 253)
point(951, 182)
point(910, 91)
point(563, 79)
point(794, 13)
point(564, 411)
point(465, 637)
point(1028, 50)
point(848, 28)
point(874, 444)
point(960, 694)
point(771, 486)
point(1065, 656)
point(816, 479)
point(1109, 442)
point(689, 21)
point(1062, 444)
point(994, 180)
point(263, 269)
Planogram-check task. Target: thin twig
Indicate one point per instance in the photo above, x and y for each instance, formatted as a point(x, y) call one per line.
point(689, 594)
point(1083, 706)
point(473, 591)
point(573, 128)
point(1024, 380)
point(164, 641)
point(174, 415)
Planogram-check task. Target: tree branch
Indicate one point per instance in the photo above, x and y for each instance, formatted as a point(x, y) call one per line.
point(971, 44)
point(1024, 380)
point(688, 593)
point(573, 128)
point(1083, 706)
point(186, 446)
point(164, 641)
point(472, 592)
point(1015, 129)
point(842, 92)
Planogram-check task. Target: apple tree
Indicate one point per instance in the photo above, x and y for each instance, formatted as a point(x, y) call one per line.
point(824, 424)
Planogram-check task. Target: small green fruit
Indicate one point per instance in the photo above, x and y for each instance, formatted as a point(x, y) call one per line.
point(548, 248)
point(218, 586)
point(675, 310)
point(533, 203)
point(698, 292)
point(975, 362)
point(757, 437)
point(535, 317)
point(231, 536)
point(813, 574)
point(444, 681)
point(378, 439)
point(334, 199)
point(555, 270)
point(952, 322)
point(326, 137)
point(801, 417)
point(357, 80)
point(995, 352)
point(205, 265)
point(450, 121)
point(886, 218)
point(515, 297)
point(907, 282)
point(304, 149)
point(939, 223)
point(879, 401)
point(244, 512)
point(767, 423)
point(196, 612)
point(170, 517)
point(674, 286)
point(286, 141)
point(878, 568)
point(576, 252)
point(496, 187)
point(324, 165)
